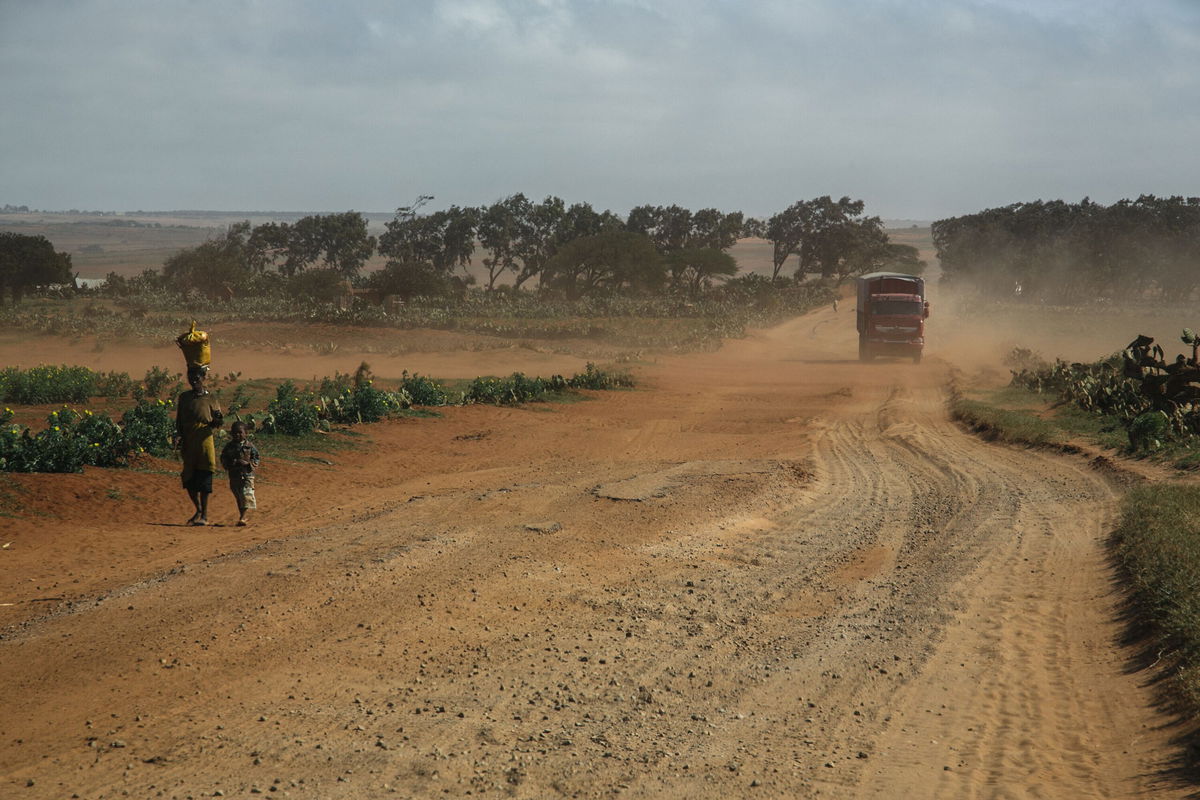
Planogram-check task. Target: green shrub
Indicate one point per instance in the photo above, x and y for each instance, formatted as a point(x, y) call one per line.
point(113, 384)
point(1148, 431)
point(422, 391)
point(592, 378)
point(517, 388)
point(291, 412)
point(150, 427)
point(70, 442)
point(160, 382)
point(240, 400)
point(335, 386)
point(364, 403)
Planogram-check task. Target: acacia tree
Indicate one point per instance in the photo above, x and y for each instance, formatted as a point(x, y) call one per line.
point(30, 261)
point(538, 237)
point(830, 237)
point(269, 249)
point(580, 219)
point(215, 267)
point(669, 227)
point(829, 234)
point(339, 241)
point(615, 260)
point(785, 232)
point(695, 268)
point(500, 232)
point(424, 250)
point(443, 240)
point(714, 230)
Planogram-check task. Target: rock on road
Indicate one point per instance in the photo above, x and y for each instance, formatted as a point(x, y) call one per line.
point(769, 571)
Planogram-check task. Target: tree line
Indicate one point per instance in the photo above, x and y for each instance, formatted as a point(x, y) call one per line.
point(1075, 252)
point(571, 251)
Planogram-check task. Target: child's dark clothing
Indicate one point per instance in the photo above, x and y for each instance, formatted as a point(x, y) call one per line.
point(241, 476)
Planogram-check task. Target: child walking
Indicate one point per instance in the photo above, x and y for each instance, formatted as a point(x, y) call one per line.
point(240, 459)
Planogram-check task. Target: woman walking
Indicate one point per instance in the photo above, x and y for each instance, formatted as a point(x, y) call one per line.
point(197, 415)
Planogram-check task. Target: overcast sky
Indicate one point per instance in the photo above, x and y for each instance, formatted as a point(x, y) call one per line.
point(921, 108)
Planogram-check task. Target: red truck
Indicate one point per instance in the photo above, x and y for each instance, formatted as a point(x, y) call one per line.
point(891, 315)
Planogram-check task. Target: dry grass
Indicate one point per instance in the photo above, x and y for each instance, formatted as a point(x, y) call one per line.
point(1158, 546)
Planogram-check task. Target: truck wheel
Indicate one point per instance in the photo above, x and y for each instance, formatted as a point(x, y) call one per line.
point(917, 357)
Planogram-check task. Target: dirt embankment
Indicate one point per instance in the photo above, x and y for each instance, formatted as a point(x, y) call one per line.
point(768, 571)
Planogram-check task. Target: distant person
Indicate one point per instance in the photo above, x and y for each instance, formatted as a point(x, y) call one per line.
point(835, 301)
point(240, 459)
point(197, 415)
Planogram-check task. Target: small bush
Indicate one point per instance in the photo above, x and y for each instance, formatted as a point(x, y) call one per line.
point(291, 412)
point(592, 378)
point(364, 403)
point(335, 386)
point(113, 384)
point(422, 391)
point(150, 427)
point(160, 382)
point(70, 442)
point(1148, 431)
point(517, 388)
point(1023, 359)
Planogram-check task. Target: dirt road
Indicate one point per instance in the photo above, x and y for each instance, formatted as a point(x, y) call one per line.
point(768, 572)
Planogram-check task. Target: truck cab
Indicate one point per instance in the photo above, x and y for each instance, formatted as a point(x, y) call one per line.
point(892, 310)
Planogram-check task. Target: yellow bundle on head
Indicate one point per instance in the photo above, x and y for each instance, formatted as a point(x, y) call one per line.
point(194, 345)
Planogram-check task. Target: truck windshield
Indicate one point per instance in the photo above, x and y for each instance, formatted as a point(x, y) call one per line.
point(896, 308)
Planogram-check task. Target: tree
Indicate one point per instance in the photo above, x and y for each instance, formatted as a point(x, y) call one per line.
point(580, 219)
point(216, 267)
point(615, 260)
point(424, 250)
point(785, 231)
point(442, 240)
point(830, 237)
point(500, 231)
point(713, 230)
point(1071, 252)
point(538, 237)
point(409, 280)
point(269, 248)
point(30, 261)
point(903, 258)
point(832, 234)
point(694, 268)
point(669, 227)
point(339, 241)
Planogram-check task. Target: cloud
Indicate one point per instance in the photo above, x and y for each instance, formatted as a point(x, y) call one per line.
point(921, 108)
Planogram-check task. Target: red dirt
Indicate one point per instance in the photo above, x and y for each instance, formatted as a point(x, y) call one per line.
point(766, 570)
